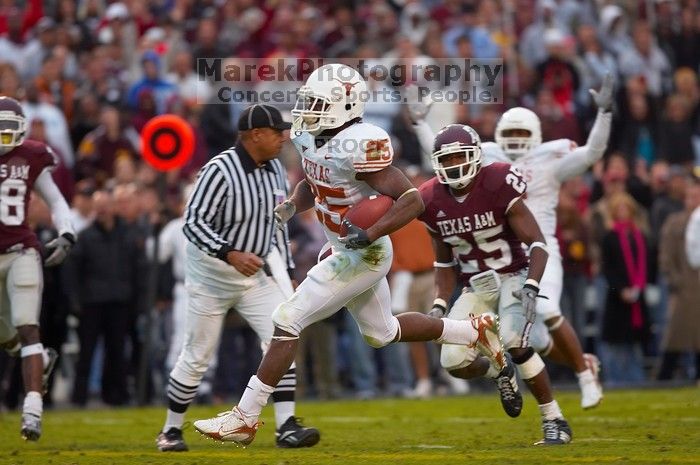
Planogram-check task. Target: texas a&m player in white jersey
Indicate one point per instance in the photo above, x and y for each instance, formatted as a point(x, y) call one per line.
point(545, 166)
point(26, 165)
point(345, 161)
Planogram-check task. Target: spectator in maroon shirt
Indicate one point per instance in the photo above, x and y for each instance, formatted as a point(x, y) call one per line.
point(102, 146)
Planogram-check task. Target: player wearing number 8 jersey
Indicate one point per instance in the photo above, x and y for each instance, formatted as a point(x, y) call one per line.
point(345, 160)
point(26, 165)
point(478, 221)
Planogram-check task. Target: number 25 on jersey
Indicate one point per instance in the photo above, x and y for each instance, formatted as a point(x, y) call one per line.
point(514, 178)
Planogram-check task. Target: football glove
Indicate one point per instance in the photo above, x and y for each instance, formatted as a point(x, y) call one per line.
point(528, 296)
point(61, 248)
point(284, 212)
point(603, 98)
point(356, 237)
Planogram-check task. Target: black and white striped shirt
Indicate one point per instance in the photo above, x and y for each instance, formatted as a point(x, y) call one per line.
point(231, 206)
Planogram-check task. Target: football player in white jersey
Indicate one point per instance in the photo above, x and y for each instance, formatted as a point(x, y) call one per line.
point(345, 161)
point(545, 166)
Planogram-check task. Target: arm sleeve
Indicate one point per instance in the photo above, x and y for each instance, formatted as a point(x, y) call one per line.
point(209, 192)
point(60, 213)
point(692, 239)
point(582, 158)
point(425, 139)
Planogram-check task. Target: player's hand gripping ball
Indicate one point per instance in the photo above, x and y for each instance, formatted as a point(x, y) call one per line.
point(360, 217)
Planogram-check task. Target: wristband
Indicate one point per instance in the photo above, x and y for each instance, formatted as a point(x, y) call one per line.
point(532, 284)
point(413, 189)
point(445, 264)
point(534, 245)
point(440, 304)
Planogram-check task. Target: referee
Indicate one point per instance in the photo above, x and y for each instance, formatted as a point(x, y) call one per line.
point(236, 257)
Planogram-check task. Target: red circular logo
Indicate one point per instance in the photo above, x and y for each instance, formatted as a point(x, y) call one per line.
point(167, 142)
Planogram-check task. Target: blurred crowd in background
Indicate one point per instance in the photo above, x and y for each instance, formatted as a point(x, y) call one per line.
point(91, 73)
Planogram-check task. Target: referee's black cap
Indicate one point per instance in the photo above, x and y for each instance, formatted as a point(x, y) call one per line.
point(262, 116)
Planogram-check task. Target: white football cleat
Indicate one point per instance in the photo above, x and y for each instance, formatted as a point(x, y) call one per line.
point(488, 340)
point(591, 389)
point(229, 426)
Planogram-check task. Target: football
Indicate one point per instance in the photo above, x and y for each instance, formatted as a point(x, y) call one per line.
point(367, 212)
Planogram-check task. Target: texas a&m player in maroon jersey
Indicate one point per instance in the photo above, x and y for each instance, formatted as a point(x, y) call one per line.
point(478, 222)
point(26, 165)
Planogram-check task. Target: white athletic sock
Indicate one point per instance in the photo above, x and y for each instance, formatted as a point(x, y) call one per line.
point(585, 377)
point(33, 404)
point(457, 332)
point(283, 397)
point(283, 410)
point(550, 411)
point(45, 357)
point(174, 420)
point(254, 398)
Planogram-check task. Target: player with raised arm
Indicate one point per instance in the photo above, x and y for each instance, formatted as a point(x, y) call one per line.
point(26, 165)
point(345, 161)
point(478, 222)
point(545, 166)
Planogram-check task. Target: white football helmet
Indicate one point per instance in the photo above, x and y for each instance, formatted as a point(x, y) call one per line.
point(13, 124)
point(331, 96)
point(518, 118)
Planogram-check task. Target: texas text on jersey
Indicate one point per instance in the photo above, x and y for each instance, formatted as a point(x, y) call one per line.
point(477, 227)
point(19, 169)
point(331, 168)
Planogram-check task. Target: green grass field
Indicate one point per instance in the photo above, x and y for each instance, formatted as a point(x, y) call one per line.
point(630, 427)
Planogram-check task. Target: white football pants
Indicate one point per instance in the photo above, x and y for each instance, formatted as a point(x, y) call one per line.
point(355, 279)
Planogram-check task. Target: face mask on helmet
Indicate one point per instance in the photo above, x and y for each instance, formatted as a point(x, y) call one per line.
point(515, 142)
point(12, 131)
point(312, 112)
point(457, 164)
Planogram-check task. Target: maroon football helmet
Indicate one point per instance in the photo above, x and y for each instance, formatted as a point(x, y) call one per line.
point(456, 155)
point(13, 124)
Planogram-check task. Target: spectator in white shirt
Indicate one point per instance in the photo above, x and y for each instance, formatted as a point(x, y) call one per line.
point(190, 86)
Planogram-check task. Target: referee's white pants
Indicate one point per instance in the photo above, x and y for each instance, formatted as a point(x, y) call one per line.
point(355, 279)
point(177, 336)
point(213, 287)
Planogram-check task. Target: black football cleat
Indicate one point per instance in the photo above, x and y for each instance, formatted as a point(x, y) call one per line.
point(292, 435)
point(507, 384)
point(556, 432)
point(171, 441)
